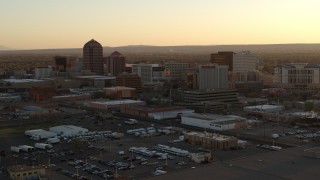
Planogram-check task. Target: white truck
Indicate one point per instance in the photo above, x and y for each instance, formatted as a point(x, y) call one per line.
point(42, 146)
point(16, 149)
point(26, 148)
point(52, 140)
point(131, 121)
point(117, 135)
point(275, 136)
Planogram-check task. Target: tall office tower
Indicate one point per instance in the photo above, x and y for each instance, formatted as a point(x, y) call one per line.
point(115, 64)
point(129, 80)
point(213, 77)
point(65, 63)
point(145, 71)
point(223, 58)
point(244, 61)
point(93, 57)
point(176, 70)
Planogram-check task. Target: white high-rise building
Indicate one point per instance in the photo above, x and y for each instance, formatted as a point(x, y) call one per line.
point(42, 72)
point(213, 76)
point(148, 72)
point(244, 61)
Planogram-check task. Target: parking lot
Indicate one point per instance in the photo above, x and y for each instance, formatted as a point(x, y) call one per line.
point(99, 156)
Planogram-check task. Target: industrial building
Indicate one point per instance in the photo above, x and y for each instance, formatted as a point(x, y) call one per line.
point(22, 172)
point(115, 104)
point(169, 114)
point(265, 108)
point(213, 121)
point(211, 140)
point(158, 113)
point(68, 130)
point(42, 134)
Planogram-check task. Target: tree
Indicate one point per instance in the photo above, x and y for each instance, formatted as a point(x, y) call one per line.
point(308, 106)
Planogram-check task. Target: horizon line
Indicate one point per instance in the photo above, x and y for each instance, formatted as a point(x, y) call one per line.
point(13, 49)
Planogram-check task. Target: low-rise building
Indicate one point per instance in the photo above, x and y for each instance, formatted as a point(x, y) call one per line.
point(202, 157)
point(96, 81)
point(158, 113)
point(220, 95)
point(297, 75)
point(264, 108)
point(213, 121)
point(120, 92)
point(22, 172)
point(115, 104)
point(71, 97)
point(211, 140)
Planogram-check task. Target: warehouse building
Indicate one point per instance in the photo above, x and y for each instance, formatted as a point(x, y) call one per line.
point(68, 130)
point(213, 121)
point(115, 104)
point(40, 133)
point(211, 140)
point(158, 113)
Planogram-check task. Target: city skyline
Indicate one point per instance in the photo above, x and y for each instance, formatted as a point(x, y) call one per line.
point(39, 24)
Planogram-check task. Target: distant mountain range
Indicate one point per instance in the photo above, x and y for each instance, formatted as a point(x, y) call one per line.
point(145, 49)
point(3, 48)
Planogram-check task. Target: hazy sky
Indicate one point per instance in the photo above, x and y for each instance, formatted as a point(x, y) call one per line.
point(29, 24)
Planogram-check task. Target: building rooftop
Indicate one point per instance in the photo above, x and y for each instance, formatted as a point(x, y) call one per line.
point(118, 102)
point(115, 53)
point(96, 77)
point(119, 88)
point(22, 80)
point(217, 137)
point(210, 91)
point(264, 106)
point(215, 118)
point(21, 168)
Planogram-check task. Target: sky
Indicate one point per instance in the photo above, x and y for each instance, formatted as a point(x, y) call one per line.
point(46, 24)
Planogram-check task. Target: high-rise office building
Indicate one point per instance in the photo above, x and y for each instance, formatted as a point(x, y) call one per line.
point(115, 64)
point(144, 71)
point(93, 57)
point(297, 75)
point(213, 77)
point(129, 80)
point(223, 58)
point(244, 61)
point(176, 70)
point(65, 63)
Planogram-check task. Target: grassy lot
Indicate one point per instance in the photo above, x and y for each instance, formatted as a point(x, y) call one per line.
point(19, 130)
